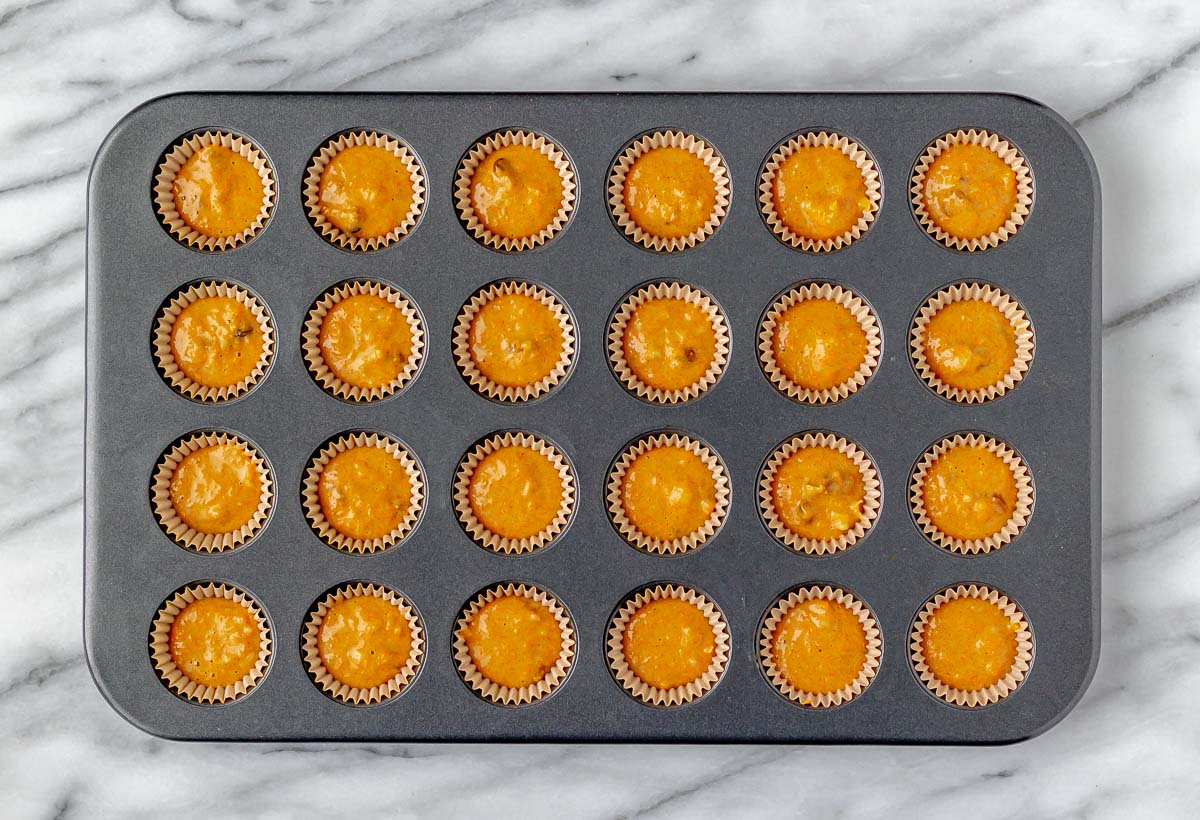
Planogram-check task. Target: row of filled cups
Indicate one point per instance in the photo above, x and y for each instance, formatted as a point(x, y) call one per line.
point(515, 341)
point(515, 643)
point(666, 190)
point(666, 492)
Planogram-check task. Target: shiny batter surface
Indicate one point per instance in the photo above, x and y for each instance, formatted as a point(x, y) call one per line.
point(366, 341)
point(970, 344)
point(365, 191)
point(669, 343)
point(969, 644)
point(514, 641)
point(969, 492)
point(365, 492)
point(969, 191)
point(515, 340)
point(819, 646)
point(669, 643)
point(818, 344)
point(516, 191)
point(215, 641)
point(218, 192)
point(216, 489)
point(820, 192)
point(364, 641)
point(216, 341)
point(818, 493)
point(515, 492)
point(668, 492)
point(670, 192)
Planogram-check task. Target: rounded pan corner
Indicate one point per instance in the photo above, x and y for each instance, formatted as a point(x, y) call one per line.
point(1085, 683)
point(130, 716)
point(143, 110)
point(1068, 128)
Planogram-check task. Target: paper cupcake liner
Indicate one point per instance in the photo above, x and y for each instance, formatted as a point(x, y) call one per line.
point(616, 342)
point(678, 695)
point(462, 343)
point(664, 139)
point(310, 341)
point(476, 529)
point(820, 700)
point(174, 677)
point(314, 513)
point(834, 293)
point(164, 509)
point(324, 679)
point(478, 153)
point(164, 355)
point(973, 291)
point(164, 193)
point(312, 191)
point(766, 189)
point(508, 695)
point(1003, 149)
point(997, 691)
point(871, 494)
point(693, 540)
point(1020, 515)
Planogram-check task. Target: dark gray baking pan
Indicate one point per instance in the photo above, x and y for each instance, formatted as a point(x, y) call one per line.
point(1052, 266)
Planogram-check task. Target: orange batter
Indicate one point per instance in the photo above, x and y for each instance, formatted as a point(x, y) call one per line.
point(818, 344)
point(516, 191)
point(515, 340)
point(970, 344)
point(364, 641)
point(670, 192)
point(669, 643)
point(366, 341)
point(514, 641)
point(215, 641)
point(819, 646)
point(969, 191)
point(820, 192)
point(818, 493)
point(668, 492)
point(516, 492)
point(366, 191)
point(216, 489)
point(365, 492)
point(216, 341)
point(218, 192)
point(969, 492)
point(969, 644)
point(669, 343)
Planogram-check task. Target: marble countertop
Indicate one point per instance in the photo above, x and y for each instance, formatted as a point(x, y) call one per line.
point(1126, 73)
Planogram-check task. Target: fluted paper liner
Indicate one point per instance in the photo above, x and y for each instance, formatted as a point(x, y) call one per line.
point(616, 506)
point(616, 341)
point(973, 291)
point(167, 516)
point(164, 194)
point(476, 529)
point(833, 293)
point(466, 171)
point(870, 503)
point(310, 341)
point(324, 679)
point(664, 139)
point(312, 191)
point(315, 513)
point(997, 691)
point(466, 362)
point(870, 627)
point(678, 695)
point(766, 189)
point(164, 354)
point(508, 695)
point(1003, 149)
point(1021, 511)
point(174, 677)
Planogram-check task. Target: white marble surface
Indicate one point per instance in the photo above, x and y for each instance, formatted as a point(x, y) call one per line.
point(1125, 72)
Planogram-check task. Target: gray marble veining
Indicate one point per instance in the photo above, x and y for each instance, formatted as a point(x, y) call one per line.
point(1125, 72)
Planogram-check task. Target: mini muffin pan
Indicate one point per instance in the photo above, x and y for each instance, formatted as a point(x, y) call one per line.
point(1051, 418)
